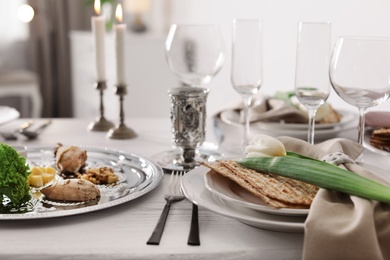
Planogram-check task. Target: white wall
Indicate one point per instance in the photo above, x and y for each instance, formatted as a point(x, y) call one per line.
point(13, 34)
point(11, 29)
point(280, 19)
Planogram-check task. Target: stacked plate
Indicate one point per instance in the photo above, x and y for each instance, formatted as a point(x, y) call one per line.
point(226, 198)
point(228, 120)
point(8, 114)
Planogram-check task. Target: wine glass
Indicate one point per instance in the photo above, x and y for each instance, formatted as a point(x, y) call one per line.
point(247, 66)
point(312, 85)
point(360, 73)
point(195, 54)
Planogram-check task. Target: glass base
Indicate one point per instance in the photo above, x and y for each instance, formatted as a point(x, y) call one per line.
point(172, 160)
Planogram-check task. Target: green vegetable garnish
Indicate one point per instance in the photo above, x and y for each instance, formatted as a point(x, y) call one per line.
point(14, 190)
point(321, 174)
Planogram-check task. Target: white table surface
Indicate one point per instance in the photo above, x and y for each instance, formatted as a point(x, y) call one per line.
point(121, 232)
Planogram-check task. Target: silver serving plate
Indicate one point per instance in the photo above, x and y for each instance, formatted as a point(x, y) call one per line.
point(137, 176)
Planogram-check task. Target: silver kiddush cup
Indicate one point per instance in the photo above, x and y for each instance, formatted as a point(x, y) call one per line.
point(188, 116)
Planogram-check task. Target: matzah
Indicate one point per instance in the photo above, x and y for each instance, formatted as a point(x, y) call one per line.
point(276, 191)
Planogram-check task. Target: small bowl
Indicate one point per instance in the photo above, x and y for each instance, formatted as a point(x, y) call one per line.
point(22, 150)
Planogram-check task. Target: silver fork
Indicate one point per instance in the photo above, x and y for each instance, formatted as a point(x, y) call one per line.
point(9, 136)
point(174, 194)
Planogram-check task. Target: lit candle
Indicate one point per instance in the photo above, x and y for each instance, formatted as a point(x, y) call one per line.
point(120, 38)
point(98, 29)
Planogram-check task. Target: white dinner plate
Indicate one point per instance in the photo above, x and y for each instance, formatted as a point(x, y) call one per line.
point(230, 191)
point(232, 117)
point(195, 190)
point(8, 114)
point(137, 176)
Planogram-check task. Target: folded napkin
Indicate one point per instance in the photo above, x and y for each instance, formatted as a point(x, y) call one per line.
point(340, 226)
point(276, 110)
point(270, 110)
point(378, 119)
point(8, 114)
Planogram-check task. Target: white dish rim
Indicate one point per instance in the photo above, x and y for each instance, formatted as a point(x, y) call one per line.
point(209, 178)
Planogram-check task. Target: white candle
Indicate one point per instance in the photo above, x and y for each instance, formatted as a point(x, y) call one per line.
point(120, 39)
point(99, 29)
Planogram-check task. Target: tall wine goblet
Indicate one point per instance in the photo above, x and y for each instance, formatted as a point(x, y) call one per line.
point(312, 85)
point(247, 66)
point(360, 73)
point(195, 54)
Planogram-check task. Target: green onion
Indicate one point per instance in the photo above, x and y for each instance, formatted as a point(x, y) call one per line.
point(321, 174)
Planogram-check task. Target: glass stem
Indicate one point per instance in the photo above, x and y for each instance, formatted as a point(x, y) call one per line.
point(312, 121)
point(362, 122)
point(247, 103)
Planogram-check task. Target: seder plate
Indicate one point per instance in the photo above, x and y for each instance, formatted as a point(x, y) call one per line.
point(137, 176)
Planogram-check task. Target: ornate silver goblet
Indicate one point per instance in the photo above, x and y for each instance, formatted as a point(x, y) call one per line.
point(188, 116)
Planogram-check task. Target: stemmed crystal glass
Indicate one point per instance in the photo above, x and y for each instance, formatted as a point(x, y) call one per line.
point(195, 54)
point(312, 85)
point(360, 73)
point(247, 64)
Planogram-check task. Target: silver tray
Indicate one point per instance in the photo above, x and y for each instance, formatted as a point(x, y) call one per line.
point(137, 176)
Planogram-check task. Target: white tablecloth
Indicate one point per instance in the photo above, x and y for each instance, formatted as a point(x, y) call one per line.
point(121, 232)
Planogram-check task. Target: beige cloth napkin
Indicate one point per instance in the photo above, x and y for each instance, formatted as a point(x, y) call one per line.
point(340, 226)
point(276, 110)
point(270, 110)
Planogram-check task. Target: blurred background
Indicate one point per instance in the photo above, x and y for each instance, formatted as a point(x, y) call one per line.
point(47, 46)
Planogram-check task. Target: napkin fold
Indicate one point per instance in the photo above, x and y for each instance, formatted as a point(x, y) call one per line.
point(267, 109)
point(278, 110)
point(340, 226)
point(378, 119)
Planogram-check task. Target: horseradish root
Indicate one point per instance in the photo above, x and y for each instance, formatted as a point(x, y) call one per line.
point(72, 190)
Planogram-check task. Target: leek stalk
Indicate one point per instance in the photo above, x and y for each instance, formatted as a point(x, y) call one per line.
point(321, 174)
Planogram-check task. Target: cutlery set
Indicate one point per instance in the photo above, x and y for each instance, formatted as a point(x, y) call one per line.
point(175, 194)
point(24, 130)
point(10, 136)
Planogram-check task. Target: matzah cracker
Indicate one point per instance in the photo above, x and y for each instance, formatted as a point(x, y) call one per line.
point(270, 188)
point(220, 169)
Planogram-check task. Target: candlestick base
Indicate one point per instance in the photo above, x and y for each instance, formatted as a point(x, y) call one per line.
point(121, 132)
point(101, 125)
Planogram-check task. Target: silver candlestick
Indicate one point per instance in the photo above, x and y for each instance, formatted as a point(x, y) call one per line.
point(188, 115)
point(101, 123)
point(121, 131)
